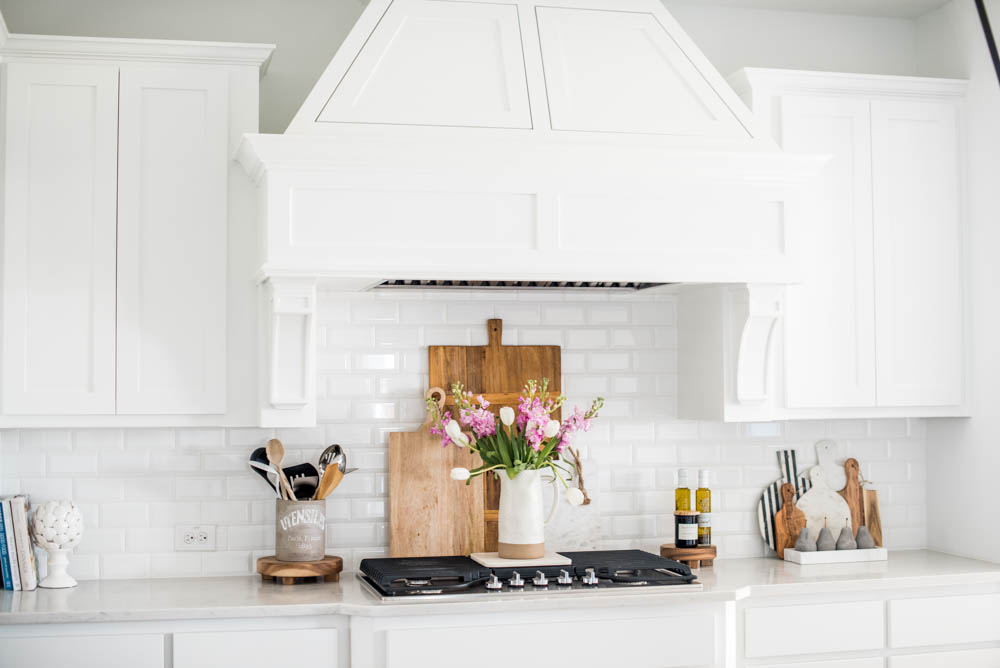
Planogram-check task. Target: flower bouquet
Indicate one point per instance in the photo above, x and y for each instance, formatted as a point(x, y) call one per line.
point(521, 444)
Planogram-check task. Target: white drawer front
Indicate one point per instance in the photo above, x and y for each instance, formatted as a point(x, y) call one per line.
point(944, 620)
point(124, 651)
point(976, 658)
point(256, 649)
point(814, 629)
point(875, 662)
point(635, 643)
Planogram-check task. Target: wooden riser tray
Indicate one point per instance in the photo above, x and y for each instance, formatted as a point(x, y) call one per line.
point(837, 556)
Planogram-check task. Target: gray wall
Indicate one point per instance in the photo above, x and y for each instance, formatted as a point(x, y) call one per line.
point(308, 32)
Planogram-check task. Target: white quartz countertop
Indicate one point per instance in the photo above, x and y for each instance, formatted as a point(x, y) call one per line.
point(244, 597)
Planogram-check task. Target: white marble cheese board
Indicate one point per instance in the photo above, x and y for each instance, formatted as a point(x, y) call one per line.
point(836, 556)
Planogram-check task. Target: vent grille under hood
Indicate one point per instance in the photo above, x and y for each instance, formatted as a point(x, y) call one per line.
point(521, 285)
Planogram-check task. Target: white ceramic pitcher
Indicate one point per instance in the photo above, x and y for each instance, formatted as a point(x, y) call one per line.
point(522, 524)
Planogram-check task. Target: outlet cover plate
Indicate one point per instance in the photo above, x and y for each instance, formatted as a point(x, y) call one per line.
point(194, 538)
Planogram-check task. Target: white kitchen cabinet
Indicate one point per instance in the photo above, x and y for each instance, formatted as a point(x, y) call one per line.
point(832, 309)
point(875, 326)
point(58, 346)
point(125, 245)
point(84, 651)
point(918, 246)
point(256, 649)
point(172, 226)
point(917, 622)
point(806, 629)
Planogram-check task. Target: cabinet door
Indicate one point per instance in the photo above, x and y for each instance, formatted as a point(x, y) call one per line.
point(172, 209)
point(92, 651)
point(257, 649)
point(830, 317)
point(59, 239)
point(918, 248)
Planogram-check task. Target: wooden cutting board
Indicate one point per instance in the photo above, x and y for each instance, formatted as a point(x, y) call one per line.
point(498, 372)
point(429, 513)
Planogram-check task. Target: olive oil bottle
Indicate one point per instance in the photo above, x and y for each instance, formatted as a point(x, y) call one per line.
point(682, 496)
point(703, 504)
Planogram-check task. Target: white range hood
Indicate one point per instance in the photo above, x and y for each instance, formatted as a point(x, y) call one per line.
point(515, 140)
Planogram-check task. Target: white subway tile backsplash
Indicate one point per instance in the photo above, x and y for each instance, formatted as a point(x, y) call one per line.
point(135, 486)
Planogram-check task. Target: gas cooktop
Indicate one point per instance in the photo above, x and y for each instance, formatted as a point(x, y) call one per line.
point(589, 571)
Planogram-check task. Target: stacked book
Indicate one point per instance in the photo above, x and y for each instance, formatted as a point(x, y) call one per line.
point(17, 557)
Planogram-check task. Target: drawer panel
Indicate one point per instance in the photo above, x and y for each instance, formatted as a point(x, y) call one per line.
point(637, 643)
point(814, 629)
point(944, 620)
point(976, 658)
point(246, 649)
point(874, 662)
point(117, 651)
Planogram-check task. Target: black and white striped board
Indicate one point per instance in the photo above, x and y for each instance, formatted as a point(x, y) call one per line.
point(770, 500)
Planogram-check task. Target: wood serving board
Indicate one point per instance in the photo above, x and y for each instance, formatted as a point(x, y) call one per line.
point(429, 513)
point(289, 572)
point(497, 372)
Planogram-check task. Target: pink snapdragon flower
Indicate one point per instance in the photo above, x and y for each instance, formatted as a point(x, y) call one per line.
point(438, 429)
point(578, 421)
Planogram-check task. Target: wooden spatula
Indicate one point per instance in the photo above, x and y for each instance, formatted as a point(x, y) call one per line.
point(331, 478)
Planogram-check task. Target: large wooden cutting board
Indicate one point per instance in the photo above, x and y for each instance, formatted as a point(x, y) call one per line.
point(498, 372)
point(429, 513)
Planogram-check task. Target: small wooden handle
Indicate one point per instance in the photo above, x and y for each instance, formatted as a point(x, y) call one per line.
point(851, 468)
point(787, 495)
point(495, 329)
point(441, 394)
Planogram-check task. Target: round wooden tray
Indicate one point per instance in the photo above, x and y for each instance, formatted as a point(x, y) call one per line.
point(694, 557)
point(291, 572)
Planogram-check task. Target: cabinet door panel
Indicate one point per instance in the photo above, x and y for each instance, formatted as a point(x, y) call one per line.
point(918, 249)
point(975, 658)
point(59, 240)
point(830, 317)
point(93, 651)
point(806, 629)
point(636, 643)
point(172, 198)
point(944, 620)
point(256, 649)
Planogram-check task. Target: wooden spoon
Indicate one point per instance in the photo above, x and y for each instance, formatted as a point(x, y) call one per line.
point(275, 453)
point(331, 478)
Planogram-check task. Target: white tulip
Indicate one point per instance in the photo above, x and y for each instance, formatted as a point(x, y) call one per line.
point(573, 495)
point(551, 428)
point(454, 432)
point(507, 415)
point(461, 474)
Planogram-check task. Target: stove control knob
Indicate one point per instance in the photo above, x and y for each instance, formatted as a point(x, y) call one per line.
point(494, 583)
point(516, 580)
point(590, 578)
point(540, 580)
point(564, 578)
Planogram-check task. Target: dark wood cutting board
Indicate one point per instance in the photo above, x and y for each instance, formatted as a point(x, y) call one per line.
point(498, 372)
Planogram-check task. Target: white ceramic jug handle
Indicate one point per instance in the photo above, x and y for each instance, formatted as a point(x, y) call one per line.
point(556, 492)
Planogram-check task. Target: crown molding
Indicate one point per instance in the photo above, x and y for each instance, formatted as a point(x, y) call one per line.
point(778, 81)
point(44, 47)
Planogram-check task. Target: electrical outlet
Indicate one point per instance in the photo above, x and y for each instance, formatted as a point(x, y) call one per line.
point(195, 538)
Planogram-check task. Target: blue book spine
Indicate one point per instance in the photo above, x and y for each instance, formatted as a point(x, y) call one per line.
point(8, 583)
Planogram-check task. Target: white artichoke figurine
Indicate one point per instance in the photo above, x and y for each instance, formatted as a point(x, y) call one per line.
point(57, 527)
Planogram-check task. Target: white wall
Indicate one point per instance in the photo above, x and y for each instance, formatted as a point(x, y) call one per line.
point(733, 38)
point(308, 32)
point(964, 455)
point(137, 485)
